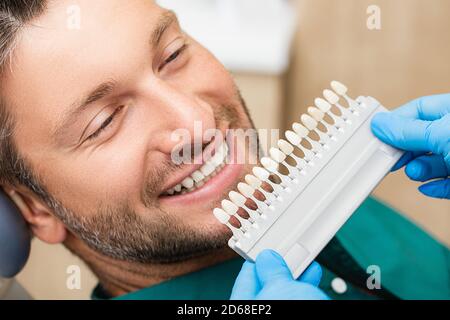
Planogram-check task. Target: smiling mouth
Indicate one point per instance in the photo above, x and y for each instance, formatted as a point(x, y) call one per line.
point(198, 178)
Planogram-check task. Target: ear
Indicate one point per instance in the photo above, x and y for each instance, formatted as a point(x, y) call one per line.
point(43, 223)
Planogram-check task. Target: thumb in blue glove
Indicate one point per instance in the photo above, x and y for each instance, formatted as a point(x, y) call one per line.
point(421, 127)
point(269, 278)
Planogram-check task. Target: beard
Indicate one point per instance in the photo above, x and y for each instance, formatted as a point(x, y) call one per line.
point(160, 237)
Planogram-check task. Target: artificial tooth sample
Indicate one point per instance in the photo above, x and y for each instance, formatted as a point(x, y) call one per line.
point(333, 98)
point(325, 107)
point(319, 116)
point(342, 90)
point(312, 125)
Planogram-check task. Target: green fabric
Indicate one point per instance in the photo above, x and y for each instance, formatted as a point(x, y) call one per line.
point(413, 264)
point(216, 283)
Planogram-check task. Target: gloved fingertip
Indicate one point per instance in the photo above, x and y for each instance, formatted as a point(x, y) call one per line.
point(271, 266)
point(439, 189)
point(415, 170)
point(312, 275)
point(378, 124)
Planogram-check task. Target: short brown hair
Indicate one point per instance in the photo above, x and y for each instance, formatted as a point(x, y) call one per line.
point(14, 15)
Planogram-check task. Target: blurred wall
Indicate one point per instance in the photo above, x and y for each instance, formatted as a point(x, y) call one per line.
point(408, 58)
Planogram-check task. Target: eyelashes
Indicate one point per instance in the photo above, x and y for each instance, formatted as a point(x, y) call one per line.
point(106, 123)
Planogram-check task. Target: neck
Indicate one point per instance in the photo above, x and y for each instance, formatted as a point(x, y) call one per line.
point(121, 277)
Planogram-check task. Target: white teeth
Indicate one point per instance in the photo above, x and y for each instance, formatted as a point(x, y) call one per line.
point(340, 88)
point(286, 147)
point(197, 179)
point(207, 169)
point(300, 130)
point(188, 183)
point(237, 198)
point(277, 155)
point(198, 176)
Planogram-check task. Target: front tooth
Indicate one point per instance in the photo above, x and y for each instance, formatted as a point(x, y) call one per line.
point(177, 188)
point(207, 169)
point(188, 183)
point(197, 176)
point(217, 159)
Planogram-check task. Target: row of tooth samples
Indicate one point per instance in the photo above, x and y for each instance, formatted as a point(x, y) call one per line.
point(288, 162)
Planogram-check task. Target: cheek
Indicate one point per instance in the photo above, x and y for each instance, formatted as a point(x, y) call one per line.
point(106, 178)
point(209, 76)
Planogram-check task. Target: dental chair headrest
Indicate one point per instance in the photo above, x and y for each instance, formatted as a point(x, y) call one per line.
point(15, 238)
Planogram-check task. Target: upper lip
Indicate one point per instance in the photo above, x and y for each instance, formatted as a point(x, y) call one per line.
point(190, 168)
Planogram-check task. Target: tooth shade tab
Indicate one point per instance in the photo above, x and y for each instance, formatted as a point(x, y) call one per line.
point(293, 138)
point(261, 173)
point(323, 105)
point(269, 164)
point(237, 198)
point(253, 181)
point(286, 147)
point(316, 113)
point(229, 207)
point(339, 88)
point(309, 122)
point(332, 97)
point(300, 130)
point(221, 215)
point(246, 190)
point(277, 155)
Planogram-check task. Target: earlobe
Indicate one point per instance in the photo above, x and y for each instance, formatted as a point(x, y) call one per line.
point(42, 222)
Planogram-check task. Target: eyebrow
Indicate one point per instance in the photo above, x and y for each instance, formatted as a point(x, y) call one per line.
point(106, 88)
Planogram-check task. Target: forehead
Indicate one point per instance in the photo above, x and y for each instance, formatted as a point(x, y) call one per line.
point(54, 61)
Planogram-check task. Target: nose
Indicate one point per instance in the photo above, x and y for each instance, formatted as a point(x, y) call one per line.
point(183, 117)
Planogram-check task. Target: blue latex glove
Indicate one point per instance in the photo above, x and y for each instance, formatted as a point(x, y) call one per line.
point(421, 127)
point(269, 278)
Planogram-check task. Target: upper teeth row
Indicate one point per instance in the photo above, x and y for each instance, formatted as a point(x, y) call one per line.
point(209, 169)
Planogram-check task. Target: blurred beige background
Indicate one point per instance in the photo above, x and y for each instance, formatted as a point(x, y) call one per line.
point(407, 58)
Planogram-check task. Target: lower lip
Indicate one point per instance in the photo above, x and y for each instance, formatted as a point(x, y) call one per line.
point(213, 189)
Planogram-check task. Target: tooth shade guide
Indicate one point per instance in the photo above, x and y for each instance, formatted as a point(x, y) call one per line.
point(309, 209)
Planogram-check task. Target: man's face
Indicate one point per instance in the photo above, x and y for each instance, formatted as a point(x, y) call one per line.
point(95, 111)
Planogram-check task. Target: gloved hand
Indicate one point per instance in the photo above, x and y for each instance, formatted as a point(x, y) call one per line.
point(269, 278)
point(421, 127)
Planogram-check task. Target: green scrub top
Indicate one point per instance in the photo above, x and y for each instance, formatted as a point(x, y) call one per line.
point(413, 265)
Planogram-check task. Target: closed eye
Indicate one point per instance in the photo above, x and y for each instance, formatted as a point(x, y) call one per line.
point(105, 124)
